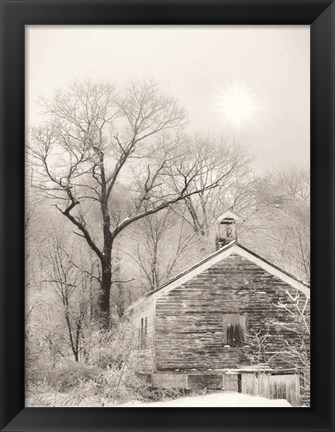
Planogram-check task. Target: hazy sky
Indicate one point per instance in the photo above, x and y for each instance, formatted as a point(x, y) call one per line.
point(246, 83)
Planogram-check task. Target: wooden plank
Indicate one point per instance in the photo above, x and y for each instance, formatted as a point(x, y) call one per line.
point(202, 382)
point(166, 380)
point(230, 382)
point(285, 387)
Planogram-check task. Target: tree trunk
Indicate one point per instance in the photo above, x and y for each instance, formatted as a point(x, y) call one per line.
point(106, 259)
point(104, 297)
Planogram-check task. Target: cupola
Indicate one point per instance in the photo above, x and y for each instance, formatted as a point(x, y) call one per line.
point(226, 228)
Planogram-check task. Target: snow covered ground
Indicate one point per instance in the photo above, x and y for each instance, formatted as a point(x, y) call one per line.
point(220, 399)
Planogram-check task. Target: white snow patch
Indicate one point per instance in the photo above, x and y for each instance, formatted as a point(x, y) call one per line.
point(220, 399)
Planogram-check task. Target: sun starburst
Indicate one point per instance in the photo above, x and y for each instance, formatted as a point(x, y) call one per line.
point(238, 104)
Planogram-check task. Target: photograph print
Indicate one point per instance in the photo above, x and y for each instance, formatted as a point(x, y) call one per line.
point(167, 216)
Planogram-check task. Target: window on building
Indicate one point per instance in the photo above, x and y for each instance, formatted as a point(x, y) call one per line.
point(235, 329)
point(145, 329)
point(143, 333)
point(140, 332)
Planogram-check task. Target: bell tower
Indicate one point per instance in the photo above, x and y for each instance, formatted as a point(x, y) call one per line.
point(226, 228)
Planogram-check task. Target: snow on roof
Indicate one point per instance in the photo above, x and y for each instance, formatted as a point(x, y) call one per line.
point(229, 214)
point(224, 252)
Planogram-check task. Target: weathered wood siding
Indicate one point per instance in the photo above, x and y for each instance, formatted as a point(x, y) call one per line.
point(189, 322)
point(144, 350)
point(273, 386)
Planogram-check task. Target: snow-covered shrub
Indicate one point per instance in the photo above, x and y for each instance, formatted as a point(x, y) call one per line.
point(65, 378)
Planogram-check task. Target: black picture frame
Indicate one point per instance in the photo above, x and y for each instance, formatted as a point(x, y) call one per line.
point(15, 15)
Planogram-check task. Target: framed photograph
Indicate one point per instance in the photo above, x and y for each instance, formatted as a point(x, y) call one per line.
point(167, 208)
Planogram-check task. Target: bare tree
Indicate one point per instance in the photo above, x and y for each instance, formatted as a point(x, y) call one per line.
point(231, 164)
point(164, 243)
point(277, 219)
point(121, 293)
point(296, 350)
point(290, 321)
point(295, 182)
point(71, 287)
point(96, 138)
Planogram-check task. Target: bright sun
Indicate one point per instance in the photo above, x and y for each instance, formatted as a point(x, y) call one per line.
point(238, 104)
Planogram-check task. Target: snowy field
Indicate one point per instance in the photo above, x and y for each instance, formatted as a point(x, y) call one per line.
point(216, 400)
point(222, 399)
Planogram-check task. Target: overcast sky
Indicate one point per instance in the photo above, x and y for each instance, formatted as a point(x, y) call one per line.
point(249, 84)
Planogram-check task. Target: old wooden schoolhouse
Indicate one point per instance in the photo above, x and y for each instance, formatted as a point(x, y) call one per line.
point(218, 325)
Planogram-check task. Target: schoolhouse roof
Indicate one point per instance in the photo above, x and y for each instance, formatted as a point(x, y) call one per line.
point(231, 248)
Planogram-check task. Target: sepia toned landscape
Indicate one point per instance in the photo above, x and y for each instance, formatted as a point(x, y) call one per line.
point(167, 216)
